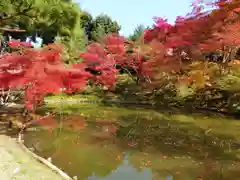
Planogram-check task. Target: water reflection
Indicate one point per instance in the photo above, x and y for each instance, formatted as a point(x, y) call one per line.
point(126, 171)
point(158, 146)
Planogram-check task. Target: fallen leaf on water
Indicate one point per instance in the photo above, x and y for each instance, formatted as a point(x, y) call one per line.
point(16, 170)
point(76, 123)
point(118, 157)
point(79, 125)
point(164, 157)
point(47, 122)
point(132, 144)
point(99, 164)
point(98, 121)
point(109, 128)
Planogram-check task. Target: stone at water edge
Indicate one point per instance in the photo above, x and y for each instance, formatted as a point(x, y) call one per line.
point(49, 159)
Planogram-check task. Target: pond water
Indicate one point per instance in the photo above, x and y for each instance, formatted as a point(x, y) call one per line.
point(111, 143)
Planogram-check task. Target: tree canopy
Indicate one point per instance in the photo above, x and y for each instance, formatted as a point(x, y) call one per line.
point(137, 33)
point(103, 25)
point(48, 18)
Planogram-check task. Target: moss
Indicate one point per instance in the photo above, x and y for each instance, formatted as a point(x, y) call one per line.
point(71, 97)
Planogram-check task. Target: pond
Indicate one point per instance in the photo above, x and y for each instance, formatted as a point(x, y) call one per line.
point(111, 143)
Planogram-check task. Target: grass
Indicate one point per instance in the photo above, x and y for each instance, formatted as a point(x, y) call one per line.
point(95, 111)
point(73, 97)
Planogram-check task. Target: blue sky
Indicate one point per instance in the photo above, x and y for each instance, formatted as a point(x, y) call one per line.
point(130, 13)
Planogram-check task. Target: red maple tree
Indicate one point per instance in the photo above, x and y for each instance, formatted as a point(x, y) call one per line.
point(113, 52)
point(199, 30)
point(40, 72)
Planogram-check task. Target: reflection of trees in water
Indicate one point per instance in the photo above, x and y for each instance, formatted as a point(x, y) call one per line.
point(168, 137)
point(126, 171)
point(180, 139)
point(174, 137)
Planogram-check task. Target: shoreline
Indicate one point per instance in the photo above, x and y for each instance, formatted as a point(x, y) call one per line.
point(18, 162)
point(42, 160)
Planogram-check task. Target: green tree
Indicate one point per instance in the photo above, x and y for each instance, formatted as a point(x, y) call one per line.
point(86, 23)
point(75, 42)
point(60, 18)
point(85, 19)
point(102, 25)
point(11, 10)
point(137, 33)
point(98, 33)
point(48, 17)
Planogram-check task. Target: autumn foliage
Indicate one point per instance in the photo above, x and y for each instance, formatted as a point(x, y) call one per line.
point(42, 71)
point(199, 31)
point(112, 53)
